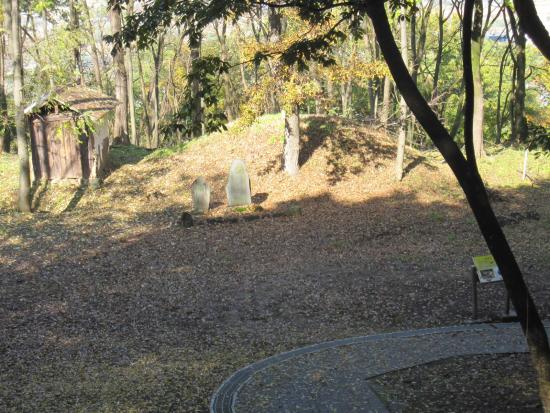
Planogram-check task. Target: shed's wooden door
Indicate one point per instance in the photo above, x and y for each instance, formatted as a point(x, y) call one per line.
point(64, 150)
point(39, 148)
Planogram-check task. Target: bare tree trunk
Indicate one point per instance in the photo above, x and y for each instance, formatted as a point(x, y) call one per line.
point(24, 197)
point(75, 25)
point(231, 106)
point(5, 134)
point(195, 40)
point(345, 97)
point(475, 192)
point(38, 53)
point(477, 42)
point(372, 90)
point(319, 104)
point(533, 26)
point(131, 97)
point(46, 38)
point(385, 112)
point(519, 122)
point(157, 59)
point(130, 70)
point(91, 38)
point(241, 58)
point(402, 136)
point(499, 111)
point(120, 133)
point(375, 105)
point(171, 96)
point(439, 56)
point(275, 19)
point(419, 47)
point(243, 77)
point(145, 101)
point(373, 54)
point(469, 32)
point(292, 141)
point(331, 95)
point(291, 150)
point(415, 59)
point(457, 121)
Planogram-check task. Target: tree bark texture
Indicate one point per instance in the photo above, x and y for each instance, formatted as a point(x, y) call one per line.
point(499, 111)
point(292, 141)
point(131, 98)
point(475, 192)
point(230, 101)
point(120, 132)
point(402, 134)
point(95, 51)
point(386, 101)
point(5, 133)
point(477, 42)
point(157, 59)
point(457, 121)
point(195, 47)
point(439, 56)
point(75, 26)
point(276, 25)
point(533, 26)
point(145, 99)
point(24, 195)
point(517, 106)
point(345, 98)
point(469, 86)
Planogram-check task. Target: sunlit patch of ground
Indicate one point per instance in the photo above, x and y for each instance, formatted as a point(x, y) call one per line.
point(111, 306)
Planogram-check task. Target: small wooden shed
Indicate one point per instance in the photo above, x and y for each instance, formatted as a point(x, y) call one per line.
point(70, 131)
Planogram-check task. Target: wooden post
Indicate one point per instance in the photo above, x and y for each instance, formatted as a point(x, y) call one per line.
point(474, 286)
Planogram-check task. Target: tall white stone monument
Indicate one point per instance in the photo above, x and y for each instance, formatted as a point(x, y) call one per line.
point(238, 185)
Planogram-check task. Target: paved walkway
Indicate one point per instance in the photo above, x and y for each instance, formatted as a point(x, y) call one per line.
point(332, 376)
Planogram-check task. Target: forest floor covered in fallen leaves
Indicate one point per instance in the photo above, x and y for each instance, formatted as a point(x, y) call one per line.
point(107, 304)
point(484, 383)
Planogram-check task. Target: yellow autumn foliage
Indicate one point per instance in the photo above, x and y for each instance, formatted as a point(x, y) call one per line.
point(292, 87)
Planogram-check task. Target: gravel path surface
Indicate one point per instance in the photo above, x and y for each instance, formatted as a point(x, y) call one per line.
point(332, 377)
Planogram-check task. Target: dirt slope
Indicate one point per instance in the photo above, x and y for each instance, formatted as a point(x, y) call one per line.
point(347, 160)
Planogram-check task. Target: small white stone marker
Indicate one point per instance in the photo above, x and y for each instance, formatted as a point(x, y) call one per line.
point(201, 196)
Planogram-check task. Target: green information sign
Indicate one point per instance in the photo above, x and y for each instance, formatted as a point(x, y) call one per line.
point(487, 269)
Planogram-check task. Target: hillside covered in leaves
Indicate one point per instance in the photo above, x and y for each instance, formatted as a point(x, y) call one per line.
point(109, 305)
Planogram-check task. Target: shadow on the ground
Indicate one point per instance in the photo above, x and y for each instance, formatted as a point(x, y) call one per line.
point(120, 155)
point(38, 191)
point(419, 160)
point(259, 197)
point(103, 315)
point(350, 147)
point(78, 194)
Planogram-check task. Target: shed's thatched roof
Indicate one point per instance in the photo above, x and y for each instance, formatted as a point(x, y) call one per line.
point(78, 99)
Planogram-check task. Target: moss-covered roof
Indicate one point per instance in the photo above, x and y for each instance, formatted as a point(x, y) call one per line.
point(90, 102)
